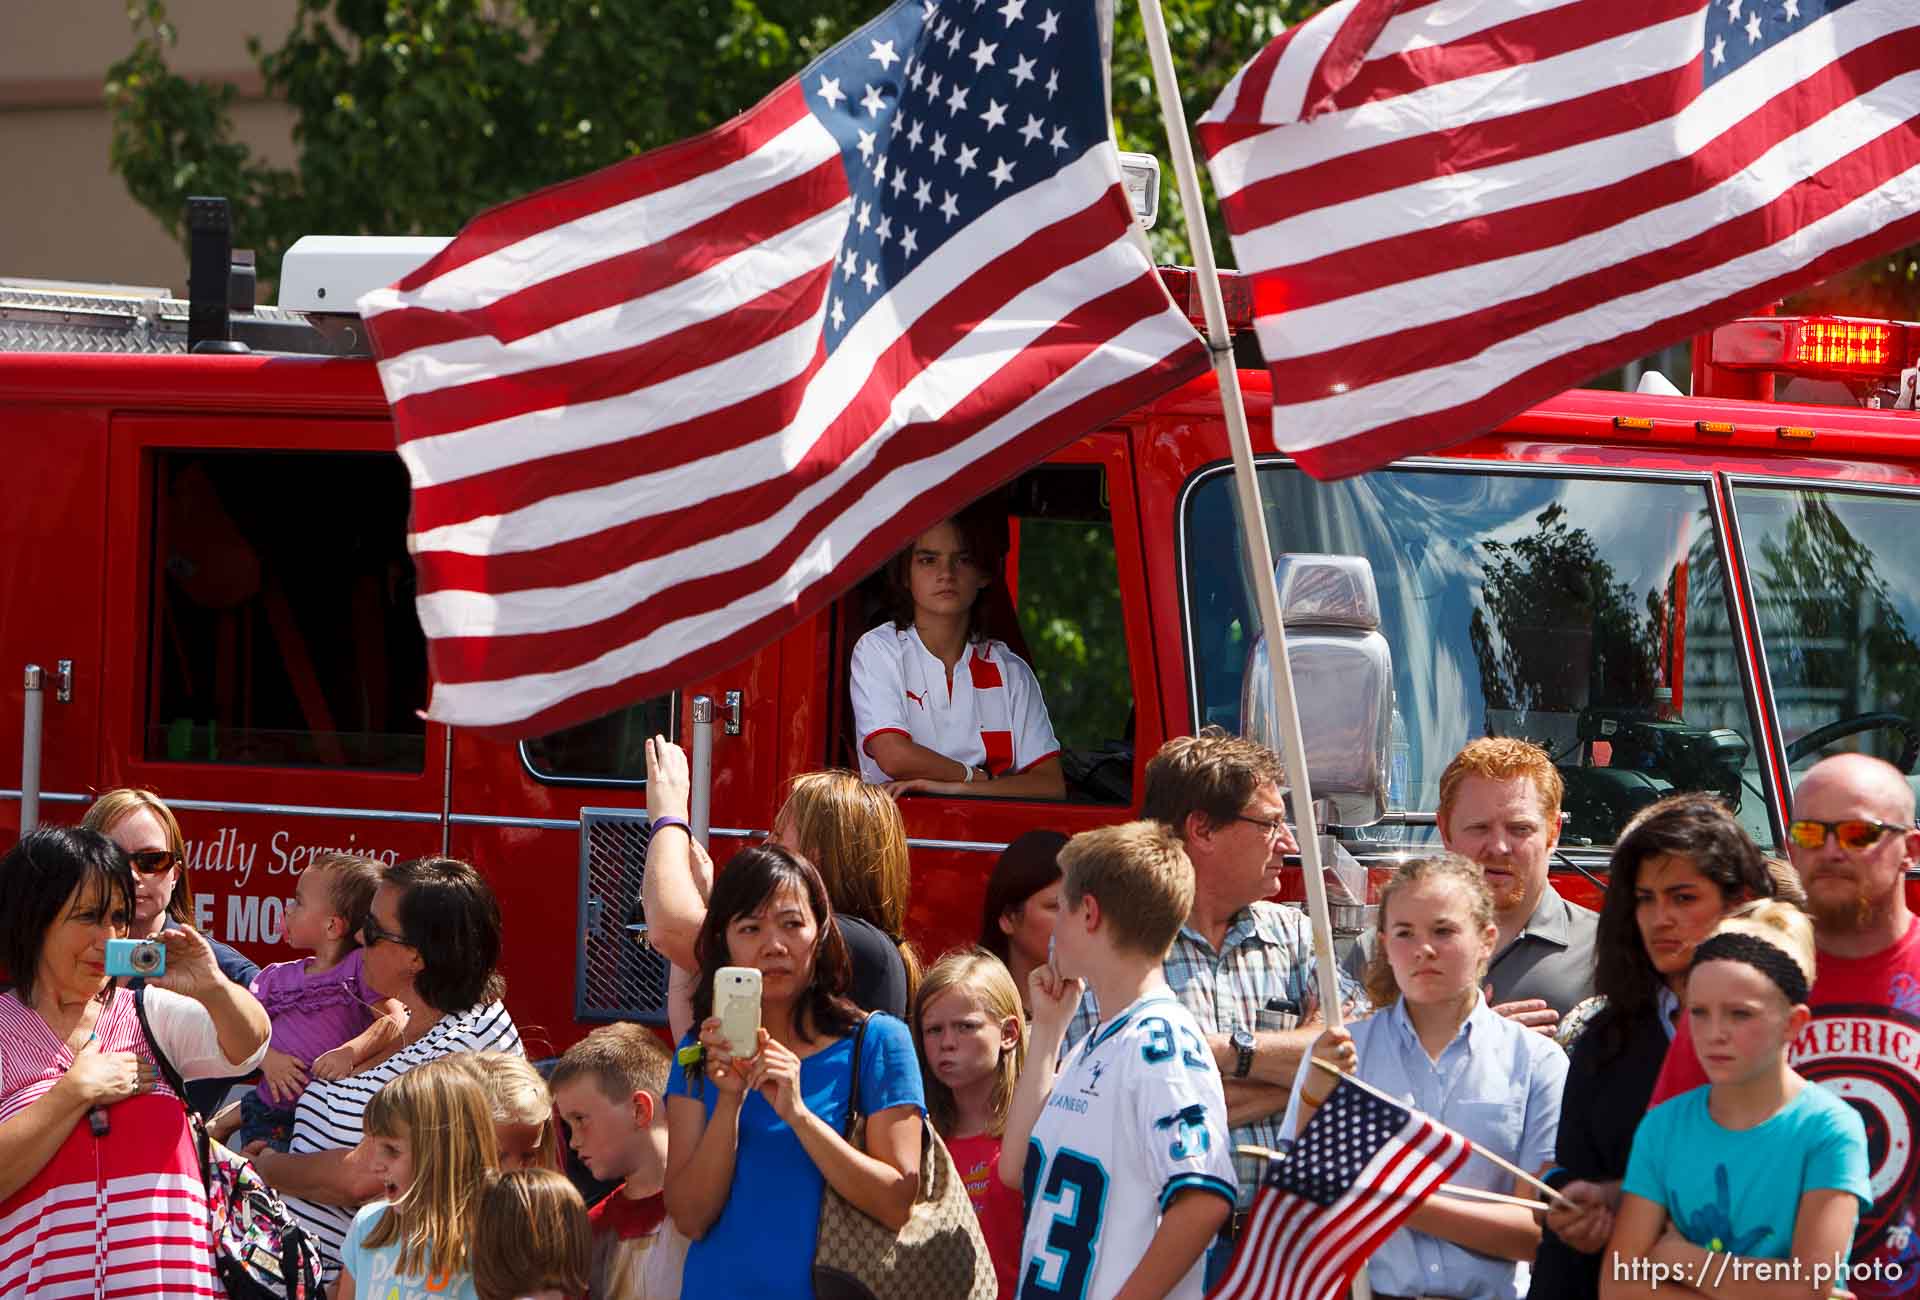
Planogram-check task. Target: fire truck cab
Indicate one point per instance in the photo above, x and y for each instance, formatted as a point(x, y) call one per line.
point(205, 561)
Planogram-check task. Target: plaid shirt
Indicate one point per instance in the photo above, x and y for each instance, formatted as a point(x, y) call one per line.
point(1263, 979)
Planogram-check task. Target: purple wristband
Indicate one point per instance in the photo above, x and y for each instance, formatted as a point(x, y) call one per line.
point(660, 823)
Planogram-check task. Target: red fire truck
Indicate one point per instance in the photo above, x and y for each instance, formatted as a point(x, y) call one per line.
point(205, 557)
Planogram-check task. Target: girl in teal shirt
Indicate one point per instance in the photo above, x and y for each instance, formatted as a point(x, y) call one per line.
point(1760, 1164)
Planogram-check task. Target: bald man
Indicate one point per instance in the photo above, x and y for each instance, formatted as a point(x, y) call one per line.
point(1852, 839)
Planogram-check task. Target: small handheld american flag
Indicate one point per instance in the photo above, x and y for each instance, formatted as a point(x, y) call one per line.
point(1360, 1167)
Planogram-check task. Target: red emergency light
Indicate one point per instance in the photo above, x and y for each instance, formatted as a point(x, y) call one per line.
point(1818, 347)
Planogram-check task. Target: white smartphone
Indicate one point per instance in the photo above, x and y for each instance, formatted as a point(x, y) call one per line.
point(736, 1000)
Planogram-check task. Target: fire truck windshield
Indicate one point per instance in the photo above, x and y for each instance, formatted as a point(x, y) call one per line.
point(1586, 612)
point(1835, 576)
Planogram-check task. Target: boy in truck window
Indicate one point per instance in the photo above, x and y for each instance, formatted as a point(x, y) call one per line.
point(940, 707)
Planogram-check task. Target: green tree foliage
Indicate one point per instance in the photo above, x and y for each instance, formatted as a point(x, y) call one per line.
point(411, 116)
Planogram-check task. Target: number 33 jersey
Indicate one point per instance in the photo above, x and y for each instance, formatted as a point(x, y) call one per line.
point(1136, 1116)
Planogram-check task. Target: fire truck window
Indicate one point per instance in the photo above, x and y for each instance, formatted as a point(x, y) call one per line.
point(1586, 614)
point(608, 750)
point(1069, 606)
point(1836, 591)
point(284, 635)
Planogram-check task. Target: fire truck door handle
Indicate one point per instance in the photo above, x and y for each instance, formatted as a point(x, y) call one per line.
point(63, 681)
point(731, 702)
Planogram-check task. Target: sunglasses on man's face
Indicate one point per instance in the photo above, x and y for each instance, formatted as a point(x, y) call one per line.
point(151, 862)
point(1855, 834)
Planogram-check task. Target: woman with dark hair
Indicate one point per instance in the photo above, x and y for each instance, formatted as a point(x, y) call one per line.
point(1022, 904)
point(754, 1141)
point(85, 1121)
point(1679, 866)
point(432, 942)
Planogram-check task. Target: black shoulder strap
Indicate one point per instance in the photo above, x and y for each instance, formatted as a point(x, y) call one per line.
point(167, 1072)
point(174, 1081)
point(853, 1092)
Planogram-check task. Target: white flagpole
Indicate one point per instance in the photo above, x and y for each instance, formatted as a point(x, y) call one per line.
point(1253, 519)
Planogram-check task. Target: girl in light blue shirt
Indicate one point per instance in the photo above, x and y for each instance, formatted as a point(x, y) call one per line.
point(1436, 1044)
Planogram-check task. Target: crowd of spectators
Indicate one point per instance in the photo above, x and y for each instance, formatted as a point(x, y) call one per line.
point(1681, 1076)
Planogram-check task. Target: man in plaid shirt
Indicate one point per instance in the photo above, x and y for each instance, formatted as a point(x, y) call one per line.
point(1244, 967)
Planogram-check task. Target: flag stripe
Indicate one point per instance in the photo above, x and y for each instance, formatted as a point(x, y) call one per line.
point(1418, 391)
point(752, 139)
point(960, 298)
point(1477, 49)
point(1335, 456)
point(1545, 168)
point(708, 528)
point(616, 278)
point(700, 297)
point(1358, 1170)
point(1438, 273)
point(616, 680)
point(763, 333)
point(1438, 110)
point(657, 416)
point(1438, 321)
point(630, 392)
point(1490, 216)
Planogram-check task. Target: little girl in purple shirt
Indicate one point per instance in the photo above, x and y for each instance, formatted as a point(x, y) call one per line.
point(327, 1023)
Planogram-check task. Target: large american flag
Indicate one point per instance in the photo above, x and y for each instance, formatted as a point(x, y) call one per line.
point(1454, 208)
point(1361, 1166)
point(657, 415)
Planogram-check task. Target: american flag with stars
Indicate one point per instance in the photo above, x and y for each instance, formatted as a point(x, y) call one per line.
point(1451, 209)
point(1360, 1167)
point(656, 416)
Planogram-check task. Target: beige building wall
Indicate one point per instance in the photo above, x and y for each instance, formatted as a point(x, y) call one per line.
point(67, 215)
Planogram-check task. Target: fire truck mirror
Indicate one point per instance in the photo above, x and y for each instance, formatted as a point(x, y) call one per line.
point(1342, 682)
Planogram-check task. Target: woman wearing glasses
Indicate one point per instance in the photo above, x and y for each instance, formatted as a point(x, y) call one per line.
point(146, 831)
point(100, 1188)
point(431, 941)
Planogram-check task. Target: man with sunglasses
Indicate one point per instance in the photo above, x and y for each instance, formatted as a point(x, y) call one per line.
point(1852, 839)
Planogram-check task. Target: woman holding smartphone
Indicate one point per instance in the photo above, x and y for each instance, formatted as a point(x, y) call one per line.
point(754, 1141)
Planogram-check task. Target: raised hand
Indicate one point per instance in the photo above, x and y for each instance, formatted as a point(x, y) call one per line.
point(669, 781)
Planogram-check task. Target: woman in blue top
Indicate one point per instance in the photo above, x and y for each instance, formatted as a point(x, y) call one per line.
point(1759, 1163)
point(1436, 1043)
point(753, 1143)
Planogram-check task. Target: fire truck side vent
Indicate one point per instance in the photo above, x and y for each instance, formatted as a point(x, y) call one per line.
point(618, 976)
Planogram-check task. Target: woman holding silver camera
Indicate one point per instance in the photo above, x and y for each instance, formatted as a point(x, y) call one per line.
point(100, 1184)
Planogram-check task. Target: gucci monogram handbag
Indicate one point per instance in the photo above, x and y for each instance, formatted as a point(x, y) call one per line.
point(939, 1255)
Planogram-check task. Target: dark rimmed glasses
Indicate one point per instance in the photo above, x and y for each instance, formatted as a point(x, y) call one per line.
point(1856, 834)
point(1276, 827)
point(371, 934)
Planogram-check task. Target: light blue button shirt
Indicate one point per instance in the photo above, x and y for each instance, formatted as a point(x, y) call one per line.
point(1496, 1084)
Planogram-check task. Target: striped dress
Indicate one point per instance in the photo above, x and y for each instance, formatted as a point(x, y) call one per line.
point(120, 1215)
point(330, 1112)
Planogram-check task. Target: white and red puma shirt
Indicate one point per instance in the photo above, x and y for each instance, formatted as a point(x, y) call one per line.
point(991, 717)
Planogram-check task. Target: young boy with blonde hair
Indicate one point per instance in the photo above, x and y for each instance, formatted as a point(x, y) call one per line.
point(608, 1090)
point(1123, 1158)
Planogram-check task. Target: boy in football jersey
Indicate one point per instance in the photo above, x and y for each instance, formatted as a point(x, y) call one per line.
point(1122, 1159)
